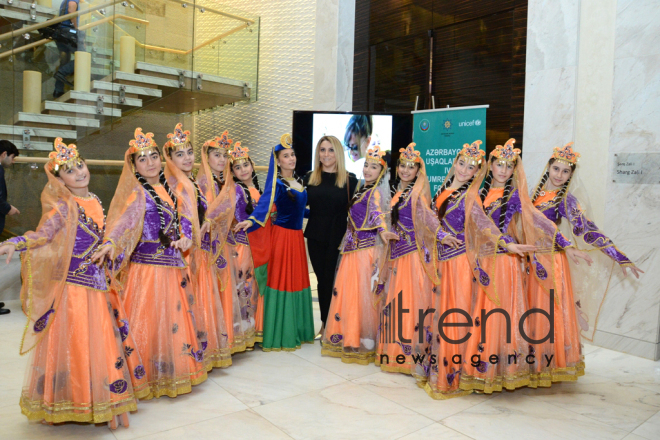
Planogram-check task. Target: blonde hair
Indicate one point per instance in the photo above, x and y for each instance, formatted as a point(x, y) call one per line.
point(342, 175)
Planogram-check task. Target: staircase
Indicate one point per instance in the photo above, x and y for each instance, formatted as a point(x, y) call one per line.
point(113, 93)
point(153, 87)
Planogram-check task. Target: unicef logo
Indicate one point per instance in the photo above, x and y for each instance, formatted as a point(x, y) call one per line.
point(477, 122)
point(424, 125)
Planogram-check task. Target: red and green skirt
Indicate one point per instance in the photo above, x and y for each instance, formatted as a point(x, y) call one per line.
point(288, 320)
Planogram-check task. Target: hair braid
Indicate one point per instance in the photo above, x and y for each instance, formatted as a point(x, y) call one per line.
point(359, 193)
point(201, 211)
point(560, 194)
point(394, 185)
point(162, 236)
point(559, 197)
point(540, 186)
point(487, 183)
point(218, 180)
point(364, 189)
point(287, 184)
point(443, 187)
point(505, 199)
point(249, 208)
point(404, 196)
point(255, 179)
point(455, 194)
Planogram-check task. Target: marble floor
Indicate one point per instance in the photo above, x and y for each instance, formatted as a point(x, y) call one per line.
point(302, 395)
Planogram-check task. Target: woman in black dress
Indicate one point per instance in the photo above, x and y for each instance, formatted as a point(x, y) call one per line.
point(329, 189)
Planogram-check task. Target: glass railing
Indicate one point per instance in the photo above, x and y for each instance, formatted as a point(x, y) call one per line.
point(202, 48)
point(147, 63)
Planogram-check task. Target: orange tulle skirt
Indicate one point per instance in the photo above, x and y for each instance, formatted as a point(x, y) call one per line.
point(80, 370)
point(511, 370)
point(407, 277)
point(208, 310)
point(456, 292)
point(159, 301)
point(351, 331)
point(245, 284)
point(231, 305)
point(561, 360)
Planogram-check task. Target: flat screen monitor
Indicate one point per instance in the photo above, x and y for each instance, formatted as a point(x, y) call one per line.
point(354, 130)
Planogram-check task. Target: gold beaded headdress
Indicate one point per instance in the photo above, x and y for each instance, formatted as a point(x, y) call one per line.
point(239, 153)
point(506, 153)
point(141, 142)
point(63, 155)
point(566, 154)
point(473, 153)
point(178, 140)
point(409, 154)
point(222, 143)
point(375, 154)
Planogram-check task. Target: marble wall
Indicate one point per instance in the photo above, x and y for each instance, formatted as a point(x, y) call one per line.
point(333, 52)
point(550, 79)
point(593, 77)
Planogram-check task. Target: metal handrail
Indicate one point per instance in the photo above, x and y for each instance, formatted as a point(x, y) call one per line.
point(189, 51)
point(61, 18)
point(43, 41)
point(95, 162)
point(128, 18)
point(215, 11)
point(54, 20)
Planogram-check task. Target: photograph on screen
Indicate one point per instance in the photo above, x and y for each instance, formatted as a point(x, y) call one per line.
point(355, 132)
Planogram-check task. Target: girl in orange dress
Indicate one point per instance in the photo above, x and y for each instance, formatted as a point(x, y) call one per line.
point(498, 355)
point(576, 300)
point(454, 206)
point(83, 366)
point(243, 275)
point(150, 224)
point(410, 275)
point(220, 191)
point(208, 306)
point(352, 328)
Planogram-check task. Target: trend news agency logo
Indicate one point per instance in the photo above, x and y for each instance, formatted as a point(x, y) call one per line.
point(390, 332)
point(424, 125)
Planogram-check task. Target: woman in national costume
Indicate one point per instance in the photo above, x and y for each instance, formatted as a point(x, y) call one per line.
point(83, 367)
point(454, 204)
point(150, 224)
point(215, 182)
point(246, 201)
point(352, 328)
point(208, 306)
point(287, 318)
point(500, 277)
point(577, 296)
point(409, 275)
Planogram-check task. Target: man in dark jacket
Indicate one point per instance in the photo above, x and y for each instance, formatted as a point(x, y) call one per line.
point(8, 152)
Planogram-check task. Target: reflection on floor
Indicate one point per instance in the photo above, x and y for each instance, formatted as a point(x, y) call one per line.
point(302, 395)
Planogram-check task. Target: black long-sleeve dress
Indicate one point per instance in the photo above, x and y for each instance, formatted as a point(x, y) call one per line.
point(325, 229)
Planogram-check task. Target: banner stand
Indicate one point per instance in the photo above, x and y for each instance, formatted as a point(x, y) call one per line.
point(440, 135)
